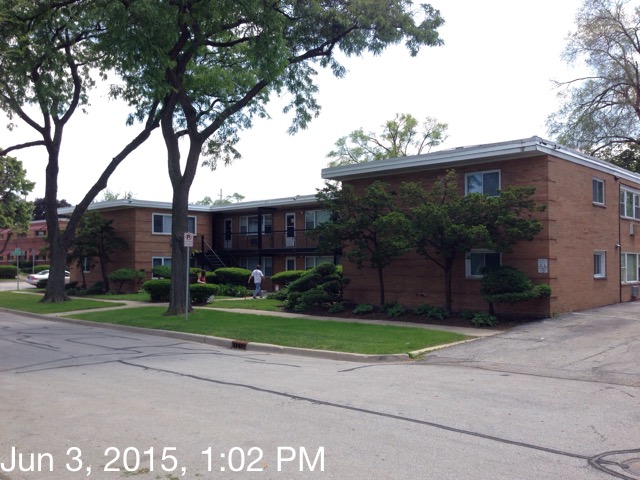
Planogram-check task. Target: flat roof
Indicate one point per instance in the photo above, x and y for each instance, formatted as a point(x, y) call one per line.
point(293, 202)
point(472, 155)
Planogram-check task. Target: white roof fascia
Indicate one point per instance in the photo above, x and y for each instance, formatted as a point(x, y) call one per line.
point(294, 202)
point(474, 155)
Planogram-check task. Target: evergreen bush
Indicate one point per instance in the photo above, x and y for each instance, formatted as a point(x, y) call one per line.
point(158, 289)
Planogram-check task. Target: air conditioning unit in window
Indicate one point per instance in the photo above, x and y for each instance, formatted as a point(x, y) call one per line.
point(633, 229)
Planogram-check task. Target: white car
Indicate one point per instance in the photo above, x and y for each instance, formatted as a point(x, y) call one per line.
point(44, 275)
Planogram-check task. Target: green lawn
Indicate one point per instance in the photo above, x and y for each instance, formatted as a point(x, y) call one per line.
point(317, 334)
point(30, 302)
point(351, 337)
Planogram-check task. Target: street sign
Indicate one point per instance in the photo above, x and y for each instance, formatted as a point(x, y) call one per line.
point(17, 252)
point(188, 239)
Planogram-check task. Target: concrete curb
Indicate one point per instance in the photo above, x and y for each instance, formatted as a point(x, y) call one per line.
point(232, 344)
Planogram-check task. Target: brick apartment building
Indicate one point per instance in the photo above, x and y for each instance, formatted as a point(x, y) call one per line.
point(272, 233)
point(588, 250)
point(32, 244)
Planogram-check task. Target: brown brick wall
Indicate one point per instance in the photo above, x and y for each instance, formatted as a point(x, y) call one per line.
point(573, 229)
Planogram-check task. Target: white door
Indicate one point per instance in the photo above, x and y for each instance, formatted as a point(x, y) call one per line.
point(290, 225)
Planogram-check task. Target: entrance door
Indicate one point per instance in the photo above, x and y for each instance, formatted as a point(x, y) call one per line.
point(290, 224)
point(227, 233)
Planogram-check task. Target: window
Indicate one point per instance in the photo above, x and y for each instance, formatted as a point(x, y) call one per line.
point(290, 263)
point(598, 191)
point(162, 224)
point(86, 264)
point(266, 264)
point(487, 183)
point(249, 225)
point(629, 203)
point(478, 259)
point(629, 267)
point(313, 218)
point(599, 270)
point(41, 233)
point(312, 262)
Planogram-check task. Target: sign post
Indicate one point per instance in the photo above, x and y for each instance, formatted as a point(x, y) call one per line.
point(188, 243)
point(17, 253)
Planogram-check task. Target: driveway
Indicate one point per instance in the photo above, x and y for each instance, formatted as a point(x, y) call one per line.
point(600, 345)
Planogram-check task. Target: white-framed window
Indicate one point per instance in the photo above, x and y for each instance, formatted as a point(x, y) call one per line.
point(629, 267)
point(314, 218)
point(487, 183)
point(597, 187)
point(312, 262)
point(249, 224)
point(86, 264)
point(161, 224)
point(41, 233)
point(629, 203)
point(476, 260)
point(160, 261)
point(599, 264)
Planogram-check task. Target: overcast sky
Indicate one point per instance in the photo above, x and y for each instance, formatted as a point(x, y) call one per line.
point(491, 82)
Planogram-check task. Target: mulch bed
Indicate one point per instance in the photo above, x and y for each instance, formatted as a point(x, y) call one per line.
point(504, 323)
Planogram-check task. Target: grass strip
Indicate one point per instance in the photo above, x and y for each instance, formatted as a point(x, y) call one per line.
point(293, 332)
point(30, 302)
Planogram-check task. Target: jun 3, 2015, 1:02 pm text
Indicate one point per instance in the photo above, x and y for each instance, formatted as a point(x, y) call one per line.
point(131, 459)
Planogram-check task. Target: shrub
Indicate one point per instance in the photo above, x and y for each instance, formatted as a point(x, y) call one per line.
point(126, 275)
point(159, 289)
point(161, 271)
point(233, 290)
point(336, 308)
point(393, 309)
point(363, 308)
point(96, 289)
point(7, 271)
point(432, 312)
point(286, 277)
point(484, 319)
point(319, 287)
point(505, 284)
point(201, 292)
point(232, 276)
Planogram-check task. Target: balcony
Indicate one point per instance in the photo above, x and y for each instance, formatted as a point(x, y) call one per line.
point(274, 241)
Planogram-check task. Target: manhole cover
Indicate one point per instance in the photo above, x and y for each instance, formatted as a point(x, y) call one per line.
point(632, 465)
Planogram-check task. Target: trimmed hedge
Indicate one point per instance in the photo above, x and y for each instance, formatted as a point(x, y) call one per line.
point(159, 289)
point(232, 276)
point(286, 277)
point(7, 271)
point(201, 292)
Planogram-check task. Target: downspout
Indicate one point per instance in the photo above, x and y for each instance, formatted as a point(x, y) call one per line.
point(619, 244)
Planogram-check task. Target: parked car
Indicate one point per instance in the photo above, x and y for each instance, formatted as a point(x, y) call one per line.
point(44, 275)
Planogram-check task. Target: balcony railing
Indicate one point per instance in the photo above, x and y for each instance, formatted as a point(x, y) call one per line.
point(275, 240)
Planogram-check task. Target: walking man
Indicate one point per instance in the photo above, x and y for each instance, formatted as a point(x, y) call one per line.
point(257, 276)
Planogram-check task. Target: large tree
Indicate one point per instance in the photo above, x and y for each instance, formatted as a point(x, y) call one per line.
point(15, 211)
point(399, 137)
point(446, 225)
point(601, 110)
point(367, 227)
point(49, 55)
point(214, 64)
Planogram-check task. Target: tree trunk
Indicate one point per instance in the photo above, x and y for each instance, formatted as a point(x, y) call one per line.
point(381, 284)
point(58, 245)
point(178, 298)
point(448, 293)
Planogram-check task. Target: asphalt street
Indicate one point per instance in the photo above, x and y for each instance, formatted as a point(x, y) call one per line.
point(558, 399)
